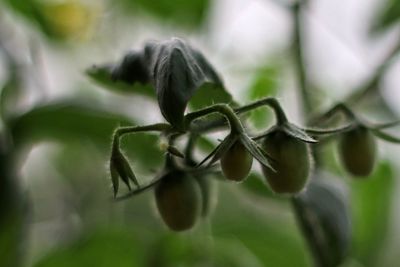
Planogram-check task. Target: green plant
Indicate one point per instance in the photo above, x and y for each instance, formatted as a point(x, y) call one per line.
point(178, 161)
point(179, 73)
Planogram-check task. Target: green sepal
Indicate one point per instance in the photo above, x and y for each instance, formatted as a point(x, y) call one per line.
point(296, 132)
point(384, 136)
point(384, 125)
point(258, 153)
point(114, 178)
point(121, 166)
point(220, 150)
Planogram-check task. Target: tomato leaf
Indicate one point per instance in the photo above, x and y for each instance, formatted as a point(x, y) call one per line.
point(175, 70)
point(65, 120)
point(126, 77)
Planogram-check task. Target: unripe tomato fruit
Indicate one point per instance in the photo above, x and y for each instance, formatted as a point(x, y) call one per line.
point(291, 161)
point(178, 199)
point(357, 151)
point(236, 162)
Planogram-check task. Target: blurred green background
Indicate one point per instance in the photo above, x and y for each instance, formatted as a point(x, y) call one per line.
point(56, 205)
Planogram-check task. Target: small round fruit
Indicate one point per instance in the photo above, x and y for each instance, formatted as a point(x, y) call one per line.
point(236, 162)
point(178, 199)
point(209, 194)
point(357, 151)
point(291, 161)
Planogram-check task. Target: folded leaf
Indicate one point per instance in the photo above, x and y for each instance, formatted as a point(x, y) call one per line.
point(174, 69)
point(177, 71)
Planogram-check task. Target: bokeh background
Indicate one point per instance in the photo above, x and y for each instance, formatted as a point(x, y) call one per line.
point(58, 207)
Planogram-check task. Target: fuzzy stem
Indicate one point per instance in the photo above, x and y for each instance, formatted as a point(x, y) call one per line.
point(139, 190)
point(121, 131)
point(223, 109)
point(339, 107)
point(218, 123)
point(269, 101)
point(299, 58)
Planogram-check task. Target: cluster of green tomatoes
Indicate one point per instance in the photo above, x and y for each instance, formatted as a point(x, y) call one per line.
point(182, 190)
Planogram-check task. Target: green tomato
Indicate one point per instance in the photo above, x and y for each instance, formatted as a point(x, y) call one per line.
point(291, 163)
point(357, 151)
point(178, 199)
point(236, 162)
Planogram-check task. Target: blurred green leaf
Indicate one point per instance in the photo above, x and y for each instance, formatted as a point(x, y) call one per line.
point(209, 94)
point(103, 76)
point(66, 120)
point(87, 123)
point(176, 71)
point(101, 248)
point(323, 215)
point(387, 16)
point(179, 12)
point(265, 83)
point(371, 205)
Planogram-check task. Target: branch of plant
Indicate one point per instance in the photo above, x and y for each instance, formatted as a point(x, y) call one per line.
point(298, 56)
point(372, 83)
point(209, 126)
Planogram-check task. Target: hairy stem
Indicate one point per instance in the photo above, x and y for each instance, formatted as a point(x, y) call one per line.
point(269, 101)
point(219, 123)
point(121, 131)
point(299, 58)
point(339, 107)
point(223, 109)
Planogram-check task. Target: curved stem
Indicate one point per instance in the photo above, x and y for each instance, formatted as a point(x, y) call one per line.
point(223, 109)
point(269, 101)
point(121, 131)
point(339, 107)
